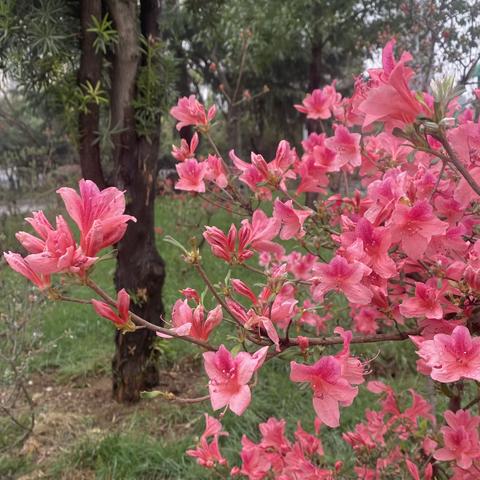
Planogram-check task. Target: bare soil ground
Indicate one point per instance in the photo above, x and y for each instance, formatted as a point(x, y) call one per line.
point(83, 408)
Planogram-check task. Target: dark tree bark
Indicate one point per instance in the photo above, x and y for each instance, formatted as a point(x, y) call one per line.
point(140, 269)
point(184, 90)
point(90, 71)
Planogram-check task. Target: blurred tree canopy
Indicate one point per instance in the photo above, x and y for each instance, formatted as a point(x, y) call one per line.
point(255, 58)
point(272, 52)
point(31, 145)
point(259, 57)
point(442, 36)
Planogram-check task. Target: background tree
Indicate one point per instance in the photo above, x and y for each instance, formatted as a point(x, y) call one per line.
point(239, 48)
point(100, 66)
point(442, 36)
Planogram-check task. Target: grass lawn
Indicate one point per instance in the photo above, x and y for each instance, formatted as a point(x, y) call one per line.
point(81, 433)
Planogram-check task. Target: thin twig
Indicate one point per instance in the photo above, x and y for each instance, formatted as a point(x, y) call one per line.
point(336, 340)
point(457, 163)
point(472, 403)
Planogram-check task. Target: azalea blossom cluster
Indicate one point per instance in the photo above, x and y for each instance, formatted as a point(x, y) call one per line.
point(388, 252)
point(101, 221)
point(274, 455)
point(379, 436)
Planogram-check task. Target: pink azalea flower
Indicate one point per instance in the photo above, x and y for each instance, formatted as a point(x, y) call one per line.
point(313, 177)
point(208, 454)
point(255, 320)
point(426, 302)
point(60, 251)
point(415, 473)
point(185, 151)
point(229, 377)
point(255, 464)
point(292, 219)
point(330, 389)
point(243, 289)
point(263, 231)
point(472, 276)
point(464, 193)
point(191, 293)
point(376, 243)
point(189, 111)
point(300, 265)
point(191, 175)
point(460, 438)
point(297, 465)
point(346, 146)
point(429, 445)
point(369, 434)
point(391, 101)
point(271, 175)
point(352, 368)
point(56, 250)
point(365, 320)
point(42, 226)
point(388, 59)
point(465, 474)
point(252, 175)
point(192, 322)
point(202, 327)
point(419, 410)
point(452, 357)
point(319, 103)
point(325, 157)
point(284, 307)
point(123, 304)
point(310, 444)
point(341, 276)
point(273, 435)
point(20, 265)
point(311, 318)
point(414, 227)
point(232, 247)
point(216, 171)
point(237, 310)
point(31, 243)
point(99, 215)
point(285, 157)
point(466, 141)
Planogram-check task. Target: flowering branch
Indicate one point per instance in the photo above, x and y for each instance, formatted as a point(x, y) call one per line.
point(453, 158)
point(141, 321)
point(379, 337)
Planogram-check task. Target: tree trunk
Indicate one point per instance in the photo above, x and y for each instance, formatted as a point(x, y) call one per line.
point(90, 71)
point(140, 269)
point(183, 87)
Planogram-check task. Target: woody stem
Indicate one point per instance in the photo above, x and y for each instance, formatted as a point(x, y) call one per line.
point(336, 340)
point(453, 158)
point(222, 302)
point(141, 321)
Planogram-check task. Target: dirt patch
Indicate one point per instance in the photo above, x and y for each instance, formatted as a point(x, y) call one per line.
point(92, 397)
point(84, 408)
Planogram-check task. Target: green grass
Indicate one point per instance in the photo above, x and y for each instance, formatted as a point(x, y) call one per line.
point(14, 466)
point(127, 456)
point(78, 344)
